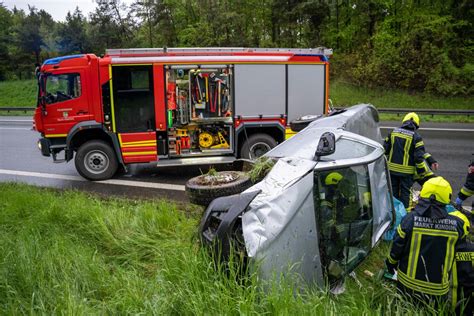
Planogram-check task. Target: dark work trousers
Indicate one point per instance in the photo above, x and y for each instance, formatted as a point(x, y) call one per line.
point(466, 305)
point(401, 186)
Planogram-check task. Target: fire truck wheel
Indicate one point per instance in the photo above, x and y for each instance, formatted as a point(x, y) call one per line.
point(201, 191)
point(257, 145)
point(96, 160)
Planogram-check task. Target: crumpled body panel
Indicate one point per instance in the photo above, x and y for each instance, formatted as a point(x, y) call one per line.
point(280, 226)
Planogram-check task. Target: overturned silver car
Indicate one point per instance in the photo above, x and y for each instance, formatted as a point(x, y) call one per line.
point(321, 209)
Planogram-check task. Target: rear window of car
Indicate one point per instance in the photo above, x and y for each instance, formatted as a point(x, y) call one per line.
point(349, 149)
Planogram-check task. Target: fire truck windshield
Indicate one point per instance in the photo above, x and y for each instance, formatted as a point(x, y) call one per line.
point(61, 87)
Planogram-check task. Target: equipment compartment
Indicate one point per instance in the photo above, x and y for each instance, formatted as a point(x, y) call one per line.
point(199, 110)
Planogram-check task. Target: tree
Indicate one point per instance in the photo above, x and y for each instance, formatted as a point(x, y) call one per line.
point(111, 26)
point(5, 38)
point(29, 37)
point(72, 34)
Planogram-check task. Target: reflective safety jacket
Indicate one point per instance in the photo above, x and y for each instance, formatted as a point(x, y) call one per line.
point(463, 273)
point(405, 151)
point(468, 188)
point(426, 173)
point(424, 247)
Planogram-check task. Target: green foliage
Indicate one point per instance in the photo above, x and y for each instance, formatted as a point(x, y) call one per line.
point(72, 34)
point(418, 46)
point(65, 252)
point(261, 167)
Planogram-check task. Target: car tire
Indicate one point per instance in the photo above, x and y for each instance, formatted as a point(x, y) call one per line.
point(301, 123)
point(202, 194)
point(96, 160)
point(257, 145)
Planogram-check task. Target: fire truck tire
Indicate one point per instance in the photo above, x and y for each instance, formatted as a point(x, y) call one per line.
point(257, 145)
point(202, 194)
point(96, 160)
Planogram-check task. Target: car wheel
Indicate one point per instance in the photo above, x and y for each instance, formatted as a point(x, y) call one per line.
point(301, 123)
point(201, 191)
point(96, 160)
point(257, 145)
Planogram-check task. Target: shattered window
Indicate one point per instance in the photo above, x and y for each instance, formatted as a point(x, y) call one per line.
point(343, 205)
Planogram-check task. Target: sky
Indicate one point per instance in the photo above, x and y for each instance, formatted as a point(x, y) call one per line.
point(57, 8)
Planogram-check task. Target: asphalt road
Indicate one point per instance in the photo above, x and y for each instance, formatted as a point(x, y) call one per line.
point(20, 161)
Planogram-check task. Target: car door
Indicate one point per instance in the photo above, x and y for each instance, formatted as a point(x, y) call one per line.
point(65, 100)
point(134, 112)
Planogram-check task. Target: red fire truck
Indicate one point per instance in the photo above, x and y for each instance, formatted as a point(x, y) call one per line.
point(175, 106)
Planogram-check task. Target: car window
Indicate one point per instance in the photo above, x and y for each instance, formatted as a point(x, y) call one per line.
point(62, 87)
point(348, 148)
point(343, 206)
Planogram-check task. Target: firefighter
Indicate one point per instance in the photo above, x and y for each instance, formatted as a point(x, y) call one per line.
point(468, 188)
point(332, 209)
point(426, 171)
point(424, 245)
point(334, 201)
point(406, 155)
point(421, 178)
point(462, 277)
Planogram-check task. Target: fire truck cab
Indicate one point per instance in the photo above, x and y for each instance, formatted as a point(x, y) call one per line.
point(175, 106)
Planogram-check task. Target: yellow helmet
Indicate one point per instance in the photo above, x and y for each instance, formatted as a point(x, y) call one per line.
point(412, 116)
point(333, 178)
point(439, 187)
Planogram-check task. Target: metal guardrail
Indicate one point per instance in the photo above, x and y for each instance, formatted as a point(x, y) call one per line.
point(431, 112)
point(16, 109)
point(399, 112)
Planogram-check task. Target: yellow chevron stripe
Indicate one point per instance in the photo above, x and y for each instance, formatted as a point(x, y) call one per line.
point(139, 153)
point(55, 135)
point(140, 142)
point(139, 145)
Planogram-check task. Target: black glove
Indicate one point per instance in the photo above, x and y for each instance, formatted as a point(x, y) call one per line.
point(390, 267)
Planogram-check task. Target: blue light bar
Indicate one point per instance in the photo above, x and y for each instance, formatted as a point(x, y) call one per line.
point(57, 60)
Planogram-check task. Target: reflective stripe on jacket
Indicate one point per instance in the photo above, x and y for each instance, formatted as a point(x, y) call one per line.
point(468, 188)
point(424, 247)
point(463, 271)
point(405, 150)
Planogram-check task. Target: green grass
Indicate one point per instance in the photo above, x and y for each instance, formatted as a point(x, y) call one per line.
point(20, 93)
point(345, 94)
point(65, 252)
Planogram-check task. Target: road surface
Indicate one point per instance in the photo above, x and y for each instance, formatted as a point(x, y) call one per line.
point(20, 161)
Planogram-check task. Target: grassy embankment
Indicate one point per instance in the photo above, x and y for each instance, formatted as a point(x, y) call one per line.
point(68, 252)
point(343, 94)
point(23, 94)
point(20, 93)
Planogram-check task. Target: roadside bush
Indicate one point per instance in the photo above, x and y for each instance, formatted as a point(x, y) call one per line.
point(423, 57)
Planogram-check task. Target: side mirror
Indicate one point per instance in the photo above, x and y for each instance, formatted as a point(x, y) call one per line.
point(326, 145)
